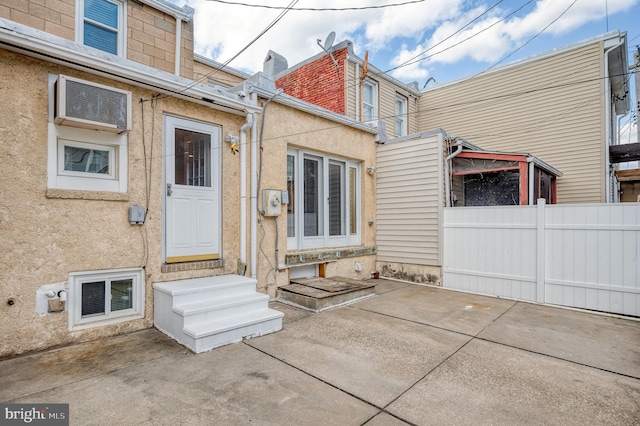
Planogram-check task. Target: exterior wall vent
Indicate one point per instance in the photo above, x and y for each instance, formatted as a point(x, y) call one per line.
point(81, 103)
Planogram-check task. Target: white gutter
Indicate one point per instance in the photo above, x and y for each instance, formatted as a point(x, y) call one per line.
point(38, 44)
point(607, 91)
point(243, 186)
point(178, 45)
point(185, 13)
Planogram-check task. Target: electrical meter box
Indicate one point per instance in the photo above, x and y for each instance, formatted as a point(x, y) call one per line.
point(271, 202)
point(136, 215)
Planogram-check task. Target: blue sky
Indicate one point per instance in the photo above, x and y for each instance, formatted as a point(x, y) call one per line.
point(461, 37)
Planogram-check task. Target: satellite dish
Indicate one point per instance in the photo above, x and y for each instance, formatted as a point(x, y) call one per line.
point(329, 41)
point(328, 44)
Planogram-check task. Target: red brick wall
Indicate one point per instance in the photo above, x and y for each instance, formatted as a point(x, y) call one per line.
point(319, 82)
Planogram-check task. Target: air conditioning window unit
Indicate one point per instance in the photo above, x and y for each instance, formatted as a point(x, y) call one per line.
point(81, 103)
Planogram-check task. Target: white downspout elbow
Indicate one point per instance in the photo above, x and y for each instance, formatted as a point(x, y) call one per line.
point(447, 181)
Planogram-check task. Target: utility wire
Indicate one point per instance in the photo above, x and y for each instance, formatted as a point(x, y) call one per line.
point(263, 32)
point(528, 41)
point(408, 61)
point(415, 58)
point(323, 9)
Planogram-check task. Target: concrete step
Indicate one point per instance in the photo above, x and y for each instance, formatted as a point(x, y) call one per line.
point(204, 313)
point(208, 335)
point(215, 309)
point(195, 289)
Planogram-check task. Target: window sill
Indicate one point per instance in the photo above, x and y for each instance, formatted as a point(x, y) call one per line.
point(73, 194)
point(192, 266)
point(297, 258)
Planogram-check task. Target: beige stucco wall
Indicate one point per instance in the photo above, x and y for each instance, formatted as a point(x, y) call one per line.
point(286, 127)
point(45, 235)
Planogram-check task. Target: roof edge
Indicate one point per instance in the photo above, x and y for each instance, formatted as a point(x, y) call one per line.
point(35, 43)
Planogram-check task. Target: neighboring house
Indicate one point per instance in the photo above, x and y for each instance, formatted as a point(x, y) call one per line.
point(561, 106)
point(413, 175)
point(113, 154)
point(346, 84)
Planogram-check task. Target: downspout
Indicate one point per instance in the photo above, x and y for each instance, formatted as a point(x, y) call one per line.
point(255, 182)
point(178, 45)
point(447, 181)
point(254, 193)
point(243, 187)
point(531, 181)
point(607, 92)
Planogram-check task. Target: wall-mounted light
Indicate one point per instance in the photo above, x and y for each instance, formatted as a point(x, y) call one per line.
point(233, 141)
point(371, 170)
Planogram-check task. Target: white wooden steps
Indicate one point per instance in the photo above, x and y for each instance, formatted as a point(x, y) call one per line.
point(205, 313)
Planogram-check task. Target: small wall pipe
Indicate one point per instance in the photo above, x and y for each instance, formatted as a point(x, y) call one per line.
point(447, 181)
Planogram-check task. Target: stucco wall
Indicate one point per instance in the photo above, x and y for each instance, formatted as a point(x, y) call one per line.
point(286, 127)
point(45, 235)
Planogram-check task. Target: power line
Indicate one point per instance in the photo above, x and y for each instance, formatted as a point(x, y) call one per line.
point(528, 41)
point(263, 32)
point(323, 9)
point(412, 61)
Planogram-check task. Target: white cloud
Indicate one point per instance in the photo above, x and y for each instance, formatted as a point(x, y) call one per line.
point(392, 35)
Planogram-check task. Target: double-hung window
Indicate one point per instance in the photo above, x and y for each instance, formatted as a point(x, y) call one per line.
point(324, 201)
point(369, 100)
point(105, 297)
point(401, 115)
point(101, 25)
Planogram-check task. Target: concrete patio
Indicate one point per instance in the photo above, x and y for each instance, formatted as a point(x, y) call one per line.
point(411, 355)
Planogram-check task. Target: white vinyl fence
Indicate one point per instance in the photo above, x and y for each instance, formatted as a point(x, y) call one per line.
point(583, 256)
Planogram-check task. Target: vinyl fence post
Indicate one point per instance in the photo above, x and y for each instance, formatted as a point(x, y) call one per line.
point(540, 250)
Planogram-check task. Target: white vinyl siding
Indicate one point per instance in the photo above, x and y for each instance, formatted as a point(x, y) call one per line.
point(552, 108)
point(409, 200)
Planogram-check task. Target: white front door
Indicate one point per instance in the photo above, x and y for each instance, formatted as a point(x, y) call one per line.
point(192, 190)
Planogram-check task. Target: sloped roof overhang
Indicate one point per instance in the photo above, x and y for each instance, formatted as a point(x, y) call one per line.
point(38, 44)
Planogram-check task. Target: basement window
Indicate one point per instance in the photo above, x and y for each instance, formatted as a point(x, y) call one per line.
point(105, 297)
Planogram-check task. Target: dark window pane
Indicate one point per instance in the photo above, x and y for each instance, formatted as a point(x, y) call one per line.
point(335, 200)
point(311, 195)
point(121, 294)
point(93, 296)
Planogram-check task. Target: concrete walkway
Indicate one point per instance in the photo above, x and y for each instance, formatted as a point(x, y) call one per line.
point(411, 355)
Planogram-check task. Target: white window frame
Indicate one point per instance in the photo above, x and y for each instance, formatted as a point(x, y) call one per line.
point(110, 149)
point(374, 106)
point(59, 135)
point(324, 239)
point(74, 307)
point(122, 21)
point(402, 116)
